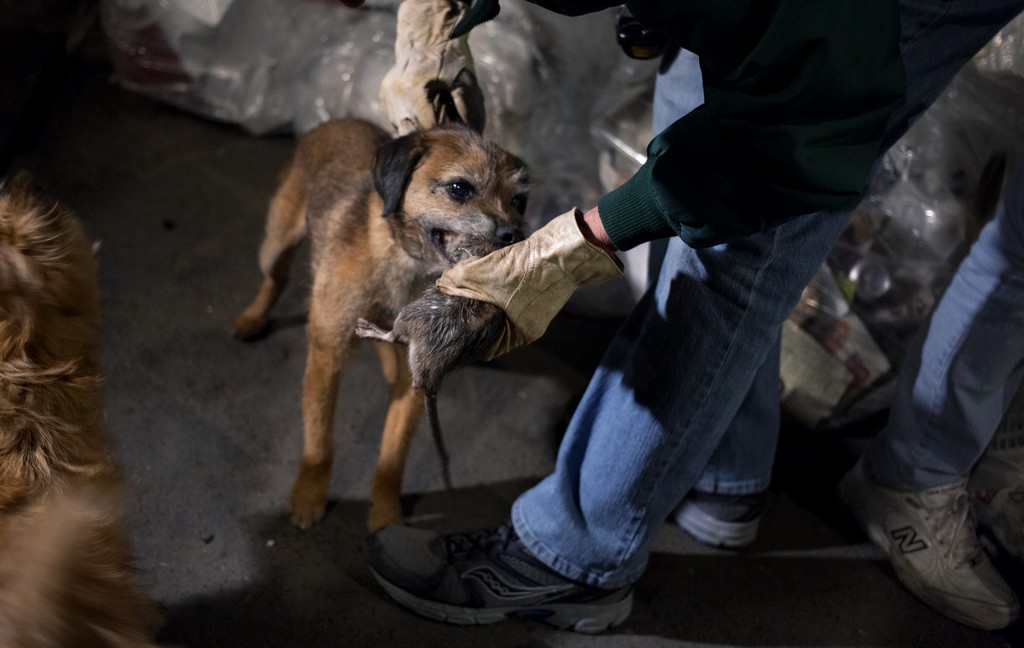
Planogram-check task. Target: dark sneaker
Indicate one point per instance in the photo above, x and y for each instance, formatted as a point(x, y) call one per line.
point(728, 521)
point(485, 577)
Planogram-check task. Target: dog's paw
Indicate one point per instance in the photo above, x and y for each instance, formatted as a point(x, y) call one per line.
point(308, 499)
point(307, 513)
point(383, 513)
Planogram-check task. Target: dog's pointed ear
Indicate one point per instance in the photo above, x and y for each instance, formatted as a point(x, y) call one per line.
point(393, 166)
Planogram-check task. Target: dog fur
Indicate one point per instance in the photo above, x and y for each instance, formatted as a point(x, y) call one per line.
point(384, 217)
point(66, 574)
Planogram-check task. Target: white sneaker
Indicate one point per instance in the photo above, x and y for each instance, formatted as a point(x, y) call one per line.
point(997, 492)
point(933, 547)
point(726, 521)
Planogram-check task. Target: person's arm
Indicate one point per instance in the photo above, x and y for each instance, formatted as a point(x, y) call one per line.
point(594, 232)
point(798, 96)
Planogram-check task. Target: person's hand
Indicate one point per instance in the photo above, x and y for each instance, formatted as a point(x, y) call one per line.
point(532, 280)
point(432, 81)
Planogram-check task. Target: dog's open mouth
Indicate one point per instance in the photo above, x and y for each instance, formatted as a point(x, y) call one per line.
point(441, 240)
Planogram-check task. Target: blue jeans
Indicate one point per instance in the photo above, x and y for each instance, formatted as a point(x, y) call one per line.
point(678, 371)
point(742, 461)
point(966, 365)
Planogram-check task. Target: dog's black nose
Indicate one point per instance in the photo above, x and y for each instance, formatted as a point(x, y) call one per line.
point(507, 235)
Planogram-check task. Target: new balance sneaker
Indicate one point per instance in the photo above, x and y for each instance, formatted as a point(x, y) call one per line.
point(484, 577)
point(933, 547)
point(728, 521)
point(997, 491)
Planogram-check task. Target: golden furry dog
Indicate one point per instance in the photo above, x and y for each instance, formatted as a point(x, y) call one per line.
point(385, 217)
point(66, 578)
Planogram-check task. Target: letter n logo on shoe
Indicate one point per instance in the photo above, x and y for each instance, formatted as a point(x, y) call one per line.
point(907, 540)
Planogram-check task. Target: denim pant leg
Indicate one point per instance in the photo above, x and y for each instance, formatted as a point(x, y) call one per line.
point(677, 372)
point(742, 462)
point(657, 407)
point(964, 369)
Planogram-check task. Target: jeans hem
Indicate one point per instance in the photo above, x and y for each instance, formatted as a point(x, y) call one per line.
point(558, 564)
point(714, 486)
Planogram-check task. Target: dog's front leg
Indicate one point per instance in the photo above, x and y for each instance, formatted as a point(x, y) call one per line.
point(319, 395)
point(405, 409)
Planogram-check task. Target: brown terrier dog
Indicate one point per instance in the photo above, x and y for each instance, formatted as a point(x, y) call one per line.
point(66, 578)
point(385, 217)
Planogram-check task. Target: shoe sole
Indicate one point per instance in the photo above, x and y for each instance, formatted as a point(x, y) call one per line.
point(579, 617)
point(709, 530)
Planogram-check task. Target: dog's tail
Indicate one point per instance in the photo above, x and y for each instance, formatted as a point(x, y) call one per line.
point(67, 581)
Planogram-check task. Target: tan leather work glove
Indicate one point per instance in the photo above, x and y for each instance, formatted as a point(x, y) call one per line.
point(433, 80)
point(533, 279)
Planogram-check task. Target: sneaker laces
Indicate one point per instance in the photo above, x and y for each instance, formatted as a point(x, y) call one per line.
point(463, 545)
point(954, 528)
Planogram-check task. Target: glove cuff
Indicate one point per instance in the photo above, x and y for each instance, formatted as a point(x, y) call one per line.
point(583, 262)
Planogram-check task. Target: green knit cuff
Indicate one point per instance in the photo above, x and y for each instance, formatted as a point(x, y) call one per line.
point(629, 213)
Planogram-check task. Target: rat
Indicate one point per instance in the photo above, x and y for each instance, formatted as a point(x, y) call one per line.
point(442, 332)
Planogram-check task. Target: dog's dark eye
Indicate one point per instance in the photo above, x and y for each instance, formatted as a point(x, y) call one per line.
point(519, 203)
point(460, 190)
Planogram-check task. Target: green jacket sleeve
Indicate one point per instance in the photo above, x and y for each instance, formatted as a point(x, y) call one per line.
point(797, 100)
